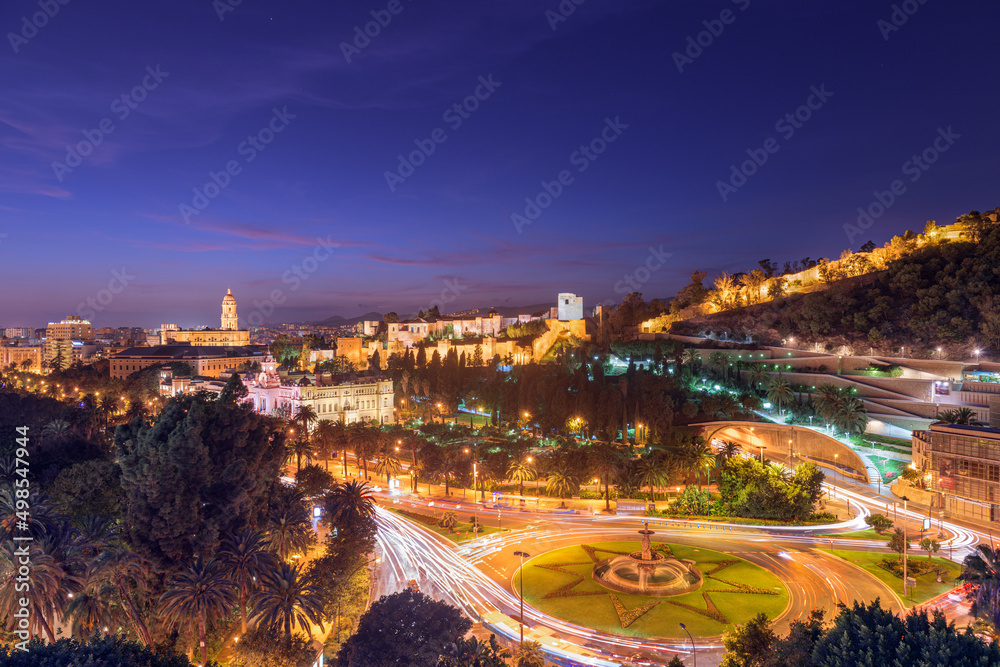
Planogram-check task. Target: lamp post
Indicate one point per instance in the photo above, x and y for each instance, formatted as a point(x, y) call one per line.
point(905, 546)
point(761, 448)
point(694, 650)
point(520, 577)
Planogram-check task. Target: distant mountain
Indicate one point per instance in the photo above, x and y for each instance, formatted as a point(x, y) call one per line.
point(338, 321)
point(511, 311)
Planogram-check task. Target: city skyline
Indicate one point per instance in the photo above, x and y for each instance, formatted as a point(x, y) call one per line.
point(298, 122)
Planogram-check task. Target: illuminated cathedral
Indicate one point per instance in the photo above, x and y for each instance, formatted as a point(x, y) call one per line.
point(228, 334)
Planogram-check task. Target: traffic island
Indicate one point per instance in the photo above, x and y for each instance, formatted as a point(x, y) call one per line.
point(732, 590)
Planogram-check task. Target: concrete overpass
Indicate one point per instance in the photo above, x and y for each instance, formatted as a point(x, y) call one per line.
point(788, 442)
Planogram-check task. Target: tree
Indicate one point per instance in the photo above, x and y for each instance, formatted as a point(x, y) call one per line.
point(326, 436)
point(728, 450)
point(96, 650)
point(866, 634)
point(207, 467)
point(364, 440)
point(878, 522)
point(653, 470)
point(563, 481)
point(472, 652)
point(404, 628)
point(347, 504)
point(262, 648)
point(246, 559)
point(127, 573)
point(528, 654)
point(289, 525)
point(521, 469)
point(314, 481)
point(779, 392)
point(605, 461)
point(981, 568)
point(898, 543)
point(287, 599)
point(388, 464)
point(930, 546)
point(201, 592)
point(448, 521)
point(748, 645)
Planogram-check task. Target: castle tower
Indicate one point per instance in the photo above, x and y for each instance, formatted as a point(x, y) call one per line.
point(229, 320)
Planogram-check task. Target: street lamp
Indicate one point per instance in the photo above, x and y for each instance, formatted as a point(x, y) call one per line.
point(977, 350)
point(520, 576)
point(694, 650)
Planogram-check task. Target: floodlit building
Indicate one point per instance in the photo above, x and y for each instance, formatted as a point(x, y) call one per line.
point(227, 335)
point(208, 361)
point(570, 307)
point(349, 398)
point(961, 466)
point(18, 356)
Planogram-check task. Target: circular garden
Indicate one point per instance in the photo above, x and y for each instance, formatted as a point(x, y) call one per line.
point(561, 583)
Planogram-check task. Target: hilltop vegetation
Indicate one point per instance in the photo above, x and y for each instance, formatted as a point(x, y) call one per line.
point(930, 292)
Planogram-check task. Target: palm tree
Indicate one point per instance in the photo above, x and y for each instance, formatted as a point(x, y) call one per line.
point(127, 572)
point(300, 447)
point(413, 441)
point(779, 392)
point(729, 449)
point(43, 580)
point(851, 415)
point(363, 440)
point(981, 568)
point(828, 400)
point(289, 527)
point(563, 481)
point(964, 416)
point(288, 599)
point(757, 375)
point(326, 438)
point(605, 462)
point(447, 465)
point(89, 611)
point(347, 503)
point(718, 362)
point(653, 470)
point(305, 418)
point(386, 463)
point(56, 430)
point(199, 591)
point(521, 469)
point(528, 654)
point(245, 557)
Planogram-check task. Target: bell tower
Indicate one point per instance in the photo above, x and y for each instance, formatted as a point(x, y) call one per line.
point(229, 319)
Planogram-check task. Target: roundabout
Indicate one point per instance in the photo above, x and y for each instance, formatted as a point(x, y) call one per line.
point(567, 583)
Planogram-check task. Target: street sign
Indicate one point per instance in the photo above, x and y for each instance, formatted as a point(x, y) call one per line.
point(910, 581)
point(927, 524)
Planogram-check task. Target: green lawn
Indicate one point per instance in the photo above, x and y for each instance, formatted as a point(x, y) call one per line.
point(598, 611)
point(927, 586)
point(462, 530)
point(860, 535)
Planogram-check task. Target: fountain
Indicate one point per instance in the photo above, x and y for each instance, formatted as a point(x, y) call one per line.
point(648, 573)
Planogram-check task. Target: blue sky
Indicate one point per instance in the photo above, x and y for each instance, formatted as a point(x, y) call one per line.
point(449, 223)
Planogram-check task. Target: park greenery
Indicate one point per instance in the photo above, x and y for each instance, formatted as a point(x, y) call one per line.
point(862, 634)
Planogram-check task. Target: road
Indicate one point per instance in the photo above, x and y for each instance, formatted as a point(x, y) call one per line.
point(477, 576)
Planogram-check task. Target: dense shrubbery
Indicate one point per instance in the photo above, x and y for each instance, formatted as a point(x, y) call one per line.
point(749, 488)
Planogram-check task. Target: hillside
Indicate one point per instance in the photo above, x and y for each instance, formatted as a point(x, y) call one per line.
point(944, 294)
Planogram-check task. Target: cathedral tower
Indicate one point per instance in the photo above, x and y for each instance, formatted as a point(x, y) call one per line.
point(229, 320)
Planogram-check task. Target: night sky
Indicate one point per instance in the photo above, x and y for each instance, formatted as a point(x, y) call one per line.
point(197, 86)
